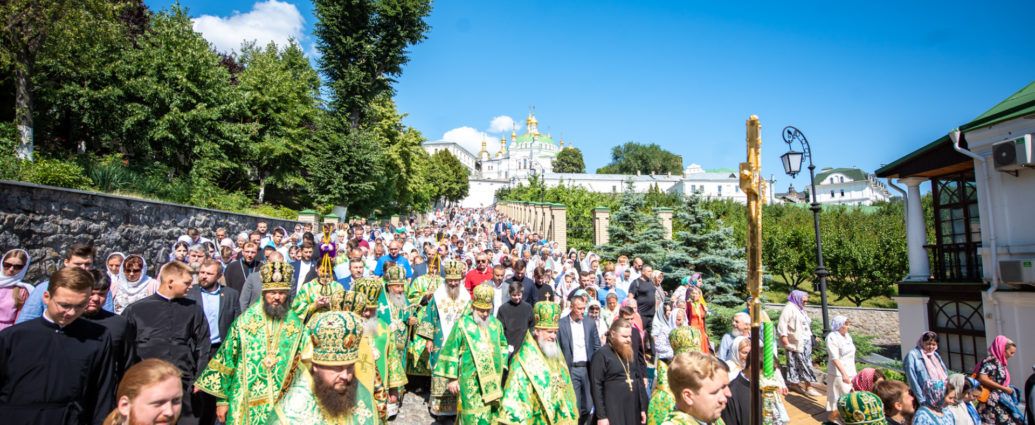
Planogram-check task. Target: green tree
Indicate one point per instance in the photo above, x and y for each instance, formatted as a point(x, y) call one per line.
point(634, 231)
point(788, 244)
point(577, 200)
point(407, 186)
point(363, 46)
point(708, 247)
point(864, 263)
point(636, 158)
point(341, 168)
point(449, 176)
point(569, 160)
point(181, 109)
point(279, 90)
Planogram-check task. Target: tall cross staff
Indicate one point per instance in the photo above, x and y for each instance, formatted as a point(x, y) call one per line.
point(751, 182)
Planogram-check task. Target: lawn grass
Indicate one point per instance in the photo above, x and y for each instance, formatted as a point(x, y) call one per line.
point(774, 295)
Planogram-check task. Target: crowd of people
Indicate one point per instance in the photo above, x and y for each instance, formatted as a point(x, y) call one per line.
point(492, 323)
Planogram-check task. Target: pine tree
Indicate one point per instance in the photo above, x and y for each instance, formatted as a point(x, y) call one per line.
point(707, 247)
point(634, 232)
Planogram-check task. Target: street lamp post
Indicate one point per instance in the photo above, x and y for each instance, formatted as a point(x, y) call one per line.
point(792, 161)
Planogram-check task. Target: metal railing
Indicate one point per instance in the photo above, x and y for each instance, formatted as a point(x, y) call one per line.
point(955, 262)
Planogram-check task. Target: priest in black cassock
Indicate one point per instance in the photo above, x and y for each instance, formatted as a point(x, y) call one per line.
point(172, 327)
point(57, 368)
point(123, 335)
point(617, 380)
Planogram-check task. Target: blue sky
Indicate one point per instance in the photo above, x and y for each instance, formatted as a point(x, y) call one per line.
point(867, 82)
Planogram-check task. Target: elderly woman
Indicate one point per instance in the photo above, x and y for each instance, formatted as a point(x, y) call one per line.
point(1001, 407)
point(840, 363)
point(13, 291)
point(923, 363)
point(963, 411)
point(794, 329)
point(937, 395)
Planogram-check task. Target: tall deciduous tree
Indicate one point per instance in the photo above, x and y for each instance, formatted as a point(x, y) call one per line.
point(406, 186)
point(449, 176)
point(340, 166)
point(280, 92)
point(569, 160)
point(363, 46)
point(636, 158)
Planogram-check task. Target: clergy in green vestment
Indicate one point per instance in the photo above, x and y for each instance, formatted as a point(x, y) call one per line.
point(332, 383)
point(449, 303)
point(539, 389)
point(473, 360)
point(396, 312)
point(419, 294)
point(683, 339)
point(250, 370)
point(700, 386)
point(323, 293)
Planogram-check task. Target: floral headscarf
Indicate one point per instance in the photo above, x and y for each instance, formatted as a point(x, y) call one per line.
point(998, 351)
point(863, 381)
point(934, 394)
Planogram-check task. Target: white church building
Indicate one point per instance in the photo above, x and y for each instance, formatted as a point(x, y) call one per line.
point(533, 152)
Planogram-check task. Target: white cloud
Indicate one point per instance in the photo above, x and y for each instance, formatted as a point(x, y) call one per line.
point(471, 139)
point(501, 124)
point(269, 20)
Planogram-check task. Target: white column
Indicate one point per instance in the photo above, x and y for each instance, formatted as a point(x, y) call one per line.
point(916, 232)
point(912, 319)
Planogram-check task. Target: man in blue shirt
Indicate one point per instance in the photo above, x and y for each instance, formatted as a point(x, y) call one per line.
point(78, 255)
point(394, 255)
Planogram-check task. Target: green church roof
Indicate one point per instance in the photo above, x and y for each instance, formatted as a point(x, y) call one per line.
point(853, 173)
point(1017, 105)
point(541, 138)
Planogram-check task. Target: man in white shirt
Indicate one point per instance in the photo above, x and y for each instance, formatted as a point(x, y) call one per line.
point(579, 339)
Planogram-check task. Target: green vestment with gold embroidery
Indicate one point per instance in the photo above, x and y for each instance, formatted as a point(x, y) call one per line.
point(304, 303)
point(440, 318)
point(539, 390)
point(662, 402)
point(419, 359)
point(299, 405)
point(250, 370)
point(680, 418)
point(475, 356)
point(397, 343)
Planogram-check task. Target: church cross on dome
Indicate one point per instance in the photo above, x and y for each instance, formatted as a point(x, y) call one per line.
point(532, 123)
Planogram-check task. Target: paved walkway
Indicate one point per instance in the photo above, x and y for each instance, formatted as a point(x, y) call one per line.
point(803, 409)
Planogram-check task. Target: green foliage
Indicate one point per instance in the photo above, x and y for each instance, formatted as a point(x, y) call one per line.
point(347, 177)
point(578, 202)
point(280, 92)
point(636, 158)
point(634, 231)
point(864, 263)
point(272, 211)
point(707, 246)
point(449, 175)
point(109, 177)
point(54, 172)
point(569, 160)
point(363, 46)
point(788, 245)
point(8, 142)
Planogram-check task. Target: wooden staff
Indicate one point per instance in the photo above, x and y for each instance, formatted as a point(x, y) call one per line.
point(750, 183)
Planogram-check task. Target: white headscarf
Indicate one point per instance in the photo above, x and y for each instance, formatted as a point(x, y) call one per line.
point(16, 280)
point(129, 292)
point(733, 358)
point(113, 276)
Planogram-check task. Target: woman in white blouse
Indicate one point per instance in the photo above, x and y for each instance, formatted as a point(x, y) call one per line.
point(840, 363)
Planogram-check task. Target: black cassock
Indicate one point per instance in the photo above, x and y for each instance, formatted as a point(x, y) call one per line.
point(123, 339)
point(738, 407)
point(52, 375)
point(174, 330)
point(612, 398)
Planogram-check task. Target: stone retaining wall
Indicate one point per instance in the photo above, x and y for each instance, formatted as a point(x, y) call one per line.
point(880, 323)
point(45, 220)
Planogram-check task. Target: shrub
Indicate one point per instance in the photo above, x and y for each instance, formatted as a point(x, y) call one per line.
point(54, 172)
point(273, 211)
point(8, 141)
point(109, 177)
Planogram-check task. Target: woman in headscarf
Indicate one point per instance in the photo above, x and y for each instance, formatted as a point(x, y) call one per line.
point(866, 379)
point(962, 411)
point(738, 411)
point(840, 363)
point(113, 263)
point(794, 329)
point(13, 292)
point(696, 313)
point(134, 283)
point(923, 363)
point(937, 394)
point(661, 327)
point(1001, 406)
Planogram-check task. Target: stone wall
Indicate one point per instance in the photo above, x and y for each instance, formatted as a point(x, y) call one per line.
point(45, 220)
point(880, 323)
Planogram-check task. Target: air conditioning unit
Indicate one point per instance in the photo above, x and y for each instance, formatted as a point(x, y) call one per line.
point(1017, 271)
point(1013, 154)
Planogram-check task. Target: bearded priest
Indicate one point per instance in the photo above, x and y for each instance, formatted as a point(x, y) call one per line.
point(329, 386)
point(539, 389)
point(616, 379)
point(477, 344)
point(399, 317)
point(449, 303)
point(249, 372)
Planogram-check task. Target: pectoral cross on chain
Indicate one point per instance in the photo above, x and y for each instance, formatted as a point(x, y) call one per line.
point(629, 381)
